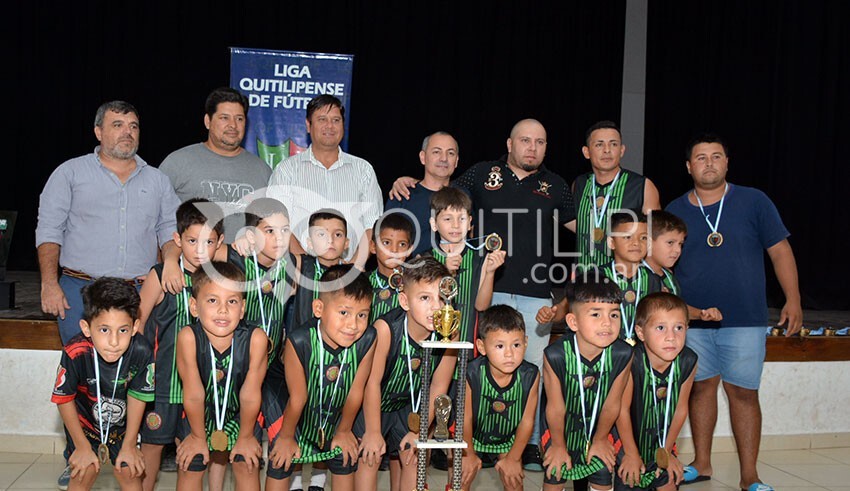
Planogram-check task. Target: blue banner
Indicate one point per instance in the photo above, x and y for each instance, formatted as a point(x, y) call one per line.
point(279, 84)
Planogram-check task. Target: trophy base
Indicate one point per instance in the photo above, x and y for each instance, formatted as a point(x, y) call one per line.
point(7, 295)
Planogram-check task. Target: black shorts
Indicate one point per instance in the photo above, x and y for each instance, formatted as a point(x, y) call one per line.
point(275, 397)
point(197, 463)
point(161, 422)
point(393, 428)
point(114, 445)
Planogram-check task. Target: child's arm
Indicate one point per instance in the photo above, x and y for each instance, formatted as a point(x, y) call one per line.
point(600, 446)
point(709, 314)
point(675, 467)
point(343, 437)
point(193, 401)
point(632, 466)
point(373, 445)
point(151, 295)
point(285, 447)
point(556, 455)
point(471, 463)
point(129, 452)
point(493, 261)
point(83, 456)
point(172, 274)
point(510, 467)
point(250, 396)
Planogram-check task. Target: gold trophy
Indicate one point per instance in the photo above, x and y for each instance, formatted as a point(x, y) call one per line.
point(442, 410)
point(447, 319)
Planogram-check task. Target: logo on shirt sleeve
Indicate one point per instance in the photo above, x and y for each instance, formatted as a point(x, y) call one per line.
point(60, 378)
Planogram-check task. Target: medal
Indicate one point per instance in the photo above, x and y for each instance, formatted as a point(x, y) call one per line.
point(493, 242)
point(385, 294)
point(266, 287)
point(587, 452)
point(395, 280)
point(662, 457)
point(602, 205)
point(630, 296)
point(600, 201)
point(103, 453)
point(337, 375)
point(631, 341)
point(219, 441)
point(413, 422)
point(598, 234)
point(321, 438)
point(714, 239)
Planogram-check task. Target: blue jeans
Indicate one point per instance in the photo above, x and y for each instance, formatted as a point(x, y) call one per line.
point(70, 326)
point(538, 338)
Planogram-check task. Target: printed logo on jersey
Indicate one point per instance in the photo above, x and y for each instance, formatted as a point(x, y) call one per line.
point(332, 373)
point(153, 420)
point(60, 379)
point(113, 411)
point(150, 378)
point(543, 189)
point(414, 363)
point(499, 406)
point(494, 179)
point(661, 392)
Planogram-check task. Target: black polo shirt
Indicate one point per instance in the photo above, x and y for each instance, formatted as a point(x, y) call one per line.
point(527, 207)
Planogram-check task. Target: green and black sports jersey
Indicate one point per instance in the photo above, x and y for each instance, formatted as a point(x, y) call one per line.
point(640, 285)
point(468, 278)
point(161, 329)
point(336, 374)
point(669, 283)
point(627, 193)
point(648, 406)
point(311, 272)
point(384, 297)
point(240, 355)
point(275, 287)
point(395, 384)
point(498, 410)
point(603, 370)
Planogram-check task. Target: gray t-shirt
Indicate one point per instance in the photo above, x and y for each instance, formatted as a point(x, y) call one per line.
point(196, 171)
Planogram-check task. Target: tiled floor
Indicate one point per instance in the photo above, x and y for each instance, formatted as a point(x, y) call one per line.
point(786, 470)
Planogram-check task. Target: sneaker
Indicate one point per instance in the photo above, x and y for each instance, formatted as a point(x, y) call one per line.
point(439, 460)
point(531, 460)
point(64, 478)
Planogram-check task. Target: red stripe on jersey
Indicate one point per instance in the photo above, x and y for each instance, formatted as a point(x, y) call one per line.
point(79, 348)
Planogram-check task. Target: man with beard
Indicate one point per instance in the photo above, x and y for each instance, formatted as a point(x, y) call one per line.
point(106, 213)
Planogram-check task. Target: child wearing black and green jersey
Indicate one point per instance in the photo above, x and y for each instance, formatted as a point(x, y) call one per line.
point(584, 374)
point(655, 401)
point(390, 244)
point(498, 419)
point(329, 359)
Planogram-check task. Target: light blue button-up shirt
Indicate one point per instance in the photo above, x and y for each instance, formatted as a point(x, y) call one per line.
point(104, 227)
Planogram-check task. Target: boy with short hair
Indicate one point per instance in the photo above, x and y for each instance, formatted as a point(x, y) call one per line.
point(391, 245)
point(500, 383)
point(104, 379)
point(331, 357)
point(584, 374)
point(327, 240)
point(221, 361)
point(668, 235)
point(392, 393)
point(655, 401)
point(628, 244)
point(200, 232)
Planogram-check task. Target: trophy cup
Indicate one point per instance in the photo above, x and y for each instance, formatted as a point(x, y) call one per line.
point(442, 410)
point(447, 319)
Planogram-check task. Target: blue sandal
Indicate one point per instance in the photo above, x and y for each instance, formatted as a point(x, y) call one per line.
point(691, 475)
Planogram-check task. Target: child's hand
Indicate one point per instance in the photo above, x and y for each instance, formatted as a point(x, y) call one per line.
point(372, 446)
point(81, 460)
point(453, 261)
point(631, 469)
point(470, 465)
point(130, 454)
point(283, 451)
point(603, 449)
point(189, 448)
point(348, 443)
point(510, 470)
point(710, 314)
point(172, 277)
point(244, 246)
point(546, 314)
point(555, 458)
point(676, 470)
point(250, 449)
point(494, 260)
point(407, 447)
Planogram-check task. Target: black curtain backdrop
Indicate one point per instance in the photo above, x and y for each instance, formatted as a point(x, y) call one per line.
point(472, 68)
point(772, 78)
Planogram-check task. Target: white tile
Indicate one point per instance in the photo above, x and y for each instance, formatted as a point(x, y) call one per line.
point(39, 476)
point(779, 458)
point(820, 474)
point(17, 458)
point(838, 454)
point(729, 475)
point(10, 473)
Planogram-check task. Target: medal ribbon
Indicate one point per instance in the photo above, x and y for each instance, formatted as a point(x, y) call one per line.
point(662, 440)
point(260, 291)
point(588, 431)
point(667, 276)
point(629, 325)
point(479, 247)
point(219, 415)
point(714, 226)
point(184, 294)
point(414, 403)
point(376, 280)
point(344, 360)
point(597, 217)
point(104, 434)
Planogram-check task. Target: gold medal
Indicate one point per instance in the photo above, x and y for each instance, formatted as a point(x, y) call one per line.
point(598, 234)
point(219, 441)
point(413, 422)
point(630, 296)
point(103, 453)
point(587, 452)
point(493, 242)
point(714, 239)
point(395, 280)
point(385, 294)
point(600, 201)
point(662, 457)
point(631, 341)
point(321, 438)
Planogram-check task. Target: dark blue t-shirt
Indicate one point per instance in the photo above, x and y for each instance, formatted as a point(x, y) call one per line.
point(420, 205)
point(730, 277)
